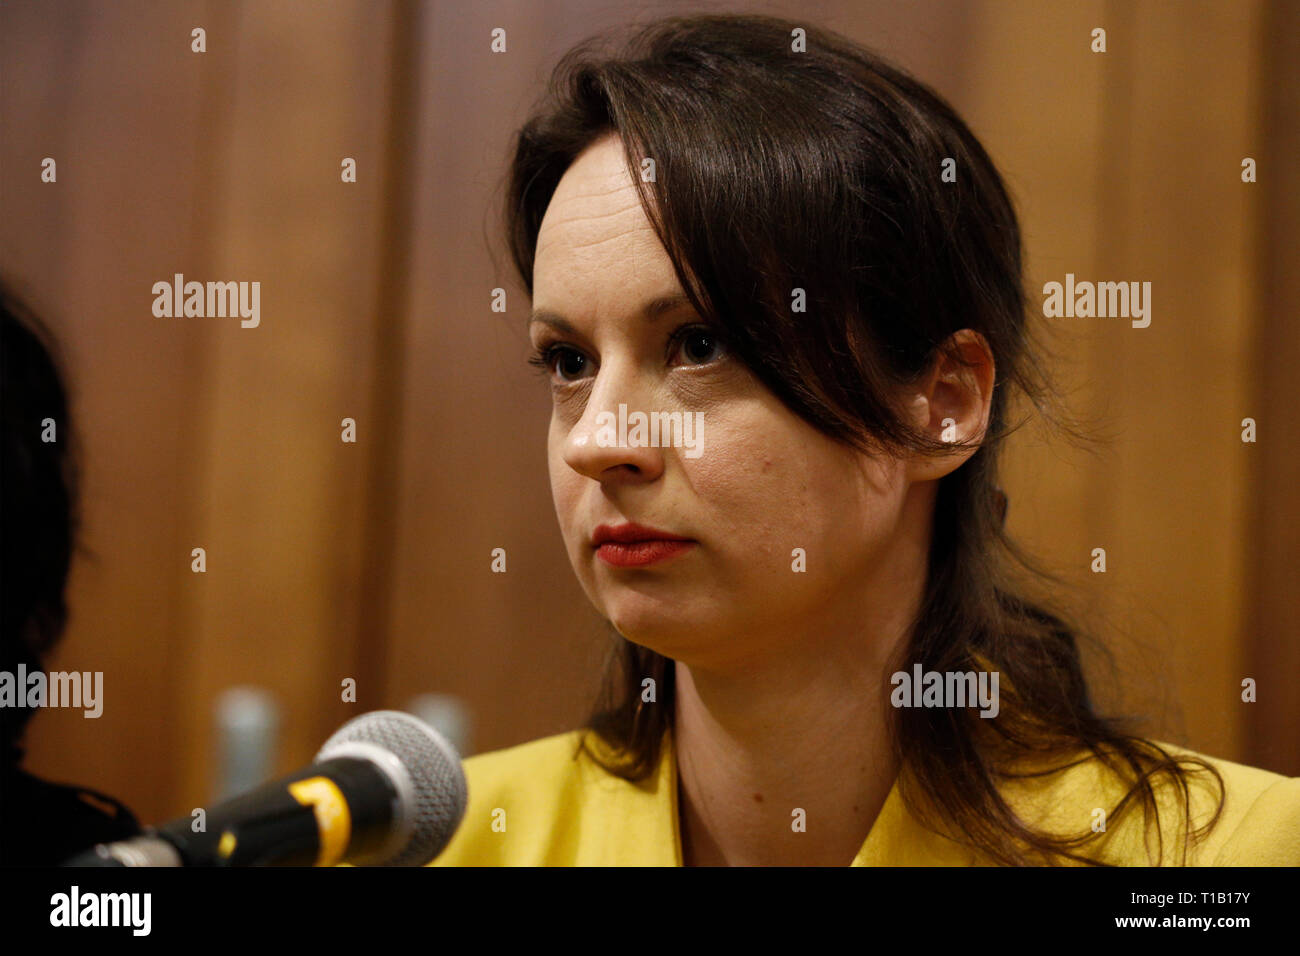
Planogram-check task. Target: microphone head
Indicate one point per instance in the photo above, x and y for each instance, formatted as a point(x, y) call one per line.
point(434, 800)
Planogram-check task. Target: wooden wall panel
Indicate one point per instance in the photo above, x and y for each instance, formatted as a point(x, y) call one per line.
point(1181, 109)
point(281, 501)
point(1271, 533)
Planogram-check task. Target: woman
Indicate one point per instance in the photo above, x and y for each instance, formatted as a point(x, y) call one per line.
point(805, 254)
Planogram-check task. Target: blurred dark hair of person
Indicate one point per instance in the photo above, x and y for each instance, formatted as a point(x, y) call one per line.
point(41, 823)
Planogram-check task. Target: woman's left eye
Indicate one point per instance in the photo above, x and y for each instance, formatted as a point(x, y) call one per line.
point(697, 345)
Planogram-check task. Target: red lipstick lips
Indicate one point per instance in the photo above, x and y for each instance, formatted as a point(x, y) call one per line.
point(633, 545)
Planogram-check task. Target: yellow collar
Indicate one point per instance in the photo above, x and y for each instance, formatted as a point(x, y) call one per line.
point(535, 805)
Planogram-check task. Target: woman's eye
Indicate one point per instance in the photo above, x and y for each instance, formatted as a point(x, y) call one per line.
point(560, 362)
point(569, 364)
point(698, 346)
point(694, 345)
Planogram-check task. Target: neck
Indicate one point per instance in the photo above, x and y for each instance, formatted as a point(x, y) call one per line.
point(787, 761)
point(779, 794)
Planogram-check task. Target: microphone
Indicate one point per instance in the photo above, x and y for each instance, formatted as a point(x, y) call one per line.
point(386, 790)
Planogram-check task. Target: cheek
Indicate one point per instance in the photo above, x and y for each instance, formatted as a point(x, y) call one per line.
point(753, 492)
point(565, 491)
point(736, 480)
point(792, 489)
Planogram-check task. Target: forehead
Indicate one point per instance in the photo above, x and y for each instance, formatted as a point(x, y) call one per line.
point(595, 247)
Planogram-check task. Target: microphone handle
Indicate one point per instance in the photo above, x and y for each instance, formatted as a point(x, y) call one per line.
point(340, 808)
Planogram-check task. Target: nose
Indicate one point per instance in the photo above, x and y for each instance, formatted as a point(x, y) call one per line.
point(599, 446)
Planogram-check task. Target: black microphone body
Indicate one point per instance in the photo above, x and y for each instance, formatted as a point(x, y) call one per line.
point(292, 821)
point(386, 790)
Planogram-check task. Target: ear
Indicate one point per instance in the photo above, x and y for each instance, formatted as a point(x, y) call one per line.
point(951, 403)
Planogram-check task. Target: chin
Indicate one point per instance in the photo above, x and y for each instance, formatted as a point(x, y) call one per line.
point(664, 628)
point(674, 631)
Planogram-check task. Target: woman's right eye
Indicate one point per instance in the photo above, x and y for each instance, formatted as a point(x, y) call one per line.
point(569, 363)
point(564, 363)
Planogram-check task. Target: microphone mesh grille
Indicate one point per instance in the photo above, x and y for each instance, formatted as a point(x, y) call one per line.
point(434, 766)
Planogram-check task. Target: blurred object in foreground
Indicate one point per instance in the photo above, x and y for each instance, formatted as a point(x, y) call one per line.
point(248, 725)
point(446, 714)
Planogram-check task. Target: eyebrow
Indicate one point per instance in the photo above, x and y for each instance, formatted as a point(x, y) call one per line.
point(651, 310)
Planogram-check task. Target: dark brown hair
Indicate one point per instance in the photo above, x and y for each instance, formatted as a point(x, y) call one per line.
point(777, 169)
point(39, 516)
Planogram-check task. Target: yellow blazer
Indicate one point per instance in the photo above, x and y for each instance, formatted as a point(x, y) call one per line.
point(535, 805)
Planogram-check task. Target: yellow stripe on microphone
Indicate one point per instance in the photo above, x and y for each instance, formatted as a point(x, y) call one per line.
point(332, 816)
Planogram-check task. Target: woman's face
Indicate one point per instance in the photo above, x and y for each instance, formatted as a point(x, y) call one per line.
point(759, 483)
